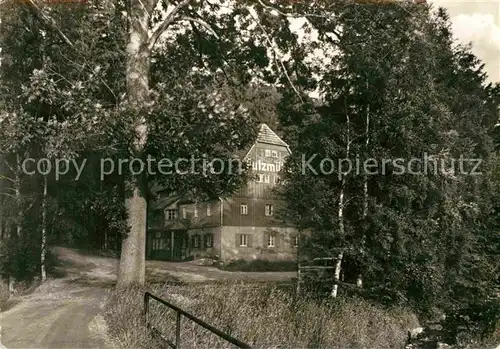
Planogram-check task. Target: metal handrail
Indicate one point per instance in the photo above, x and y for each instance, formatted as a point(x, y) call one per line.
point(191, 317)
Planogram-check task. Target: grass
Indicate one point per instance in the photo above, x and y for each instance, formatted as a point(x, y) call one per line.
point(22, 288)
point(261, 315)
point(260, 265)
point(4, 295)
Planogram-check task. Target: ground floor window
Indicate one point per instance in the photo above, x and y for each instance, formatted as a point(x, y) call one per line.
point(269, 210)
point(196, 241)
point(271, 241)
point(160, 242)
point(209, 240)
point(243, 240)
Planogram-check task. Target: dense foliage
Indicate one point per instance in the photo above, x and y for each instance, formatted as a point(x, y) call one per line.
point(401, 89)
point(363, 83)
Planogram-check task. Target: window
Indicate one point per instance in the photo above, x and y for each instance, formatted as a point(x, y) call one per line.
point(276, 179)
point(266, 179)
point(271, 241)
point(274, 153)
point(296, 242)
point(260, 178)
point(269, 209)
point(196, 241)
point(171, 214)
point(209, 210)
point(160, 242)
point(267, 153)
point(243, 240)
point(244, 209)
point(209, 240)
point(184, 214)
point(195, 210)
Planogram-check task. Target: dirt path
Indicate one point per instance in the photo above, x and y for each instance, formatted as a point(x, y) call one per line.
point(60, 314)
point(104, 269)
point(66, 312)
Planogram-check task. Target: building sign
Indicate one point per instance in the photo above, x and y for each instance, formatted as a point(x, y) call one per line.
point(263, 166)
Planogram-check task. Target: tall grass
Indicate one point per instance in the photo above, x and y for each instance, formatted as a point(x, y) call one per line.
point(4, 294)
point(262, 316)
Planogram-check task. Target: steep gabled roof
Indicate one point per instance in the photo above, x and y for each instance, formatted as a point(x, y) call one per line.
point(163, 202)
point(266, 135)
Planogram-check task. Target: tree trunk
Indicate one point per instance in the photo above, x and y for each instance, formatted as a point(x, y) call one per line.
point(19, 199)
point(3, 236)
point(338, 269)
point(340, 212)
point(43, 250)
point(359, 281)
point(19, 208)
point(133, 254)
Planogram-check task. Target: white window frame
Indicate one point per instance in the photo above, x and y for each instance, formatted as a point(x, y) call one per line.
point(296, 241)
point(211, 240)
point(209, 210)
point(184, 213)
point(266, 178)
point(274, 153)
point(267, 153)
point(171, 214)
point(243, 209)
point(243, 240)
point(196, 242)
point(195, 211)
point(271, 240)
point(269, 210)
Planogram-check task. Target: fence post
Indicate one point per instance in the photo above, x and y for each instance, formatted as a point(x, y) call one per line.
point(146, 308)
point(298, 280)
point(178, 331)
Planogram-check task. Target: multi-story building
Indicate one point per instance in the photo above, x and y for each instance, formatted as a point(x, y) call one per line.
point(246, 225)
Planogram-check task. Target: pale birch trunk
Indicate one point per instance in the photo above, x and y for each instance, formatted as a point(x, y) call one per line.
point(359, 281)
point(340, 213)
point(133, 255)
point(43, 250)
point(19, 199)
point(2, 200)
point(19, 208)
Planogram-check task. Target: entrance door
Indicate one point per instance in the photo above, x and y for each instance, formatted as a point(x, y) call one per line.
point(161, 246)
point(180, 245)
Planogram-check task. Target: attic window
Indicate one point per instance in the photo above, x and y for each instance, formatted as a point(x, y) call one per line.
point(267, 153)
point(274, 154)
point(171, 214)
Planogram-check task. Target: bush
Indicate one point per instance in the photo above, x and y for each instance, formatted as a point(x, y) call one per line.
point(260, 265)
point(20, 258)
point(260, 315)
point(477, 322)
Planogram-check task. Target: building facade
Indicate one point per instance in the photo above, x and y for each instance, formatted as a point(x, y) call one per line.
point(246, 225)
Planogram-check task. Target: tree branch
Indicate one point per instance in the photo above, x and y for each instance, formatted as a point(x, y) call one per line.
point(279, 63)
point(7, 178)
point(202, 23)
point(8, 195)
point(165, 24)
point(48, 21)
point(290, 14)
